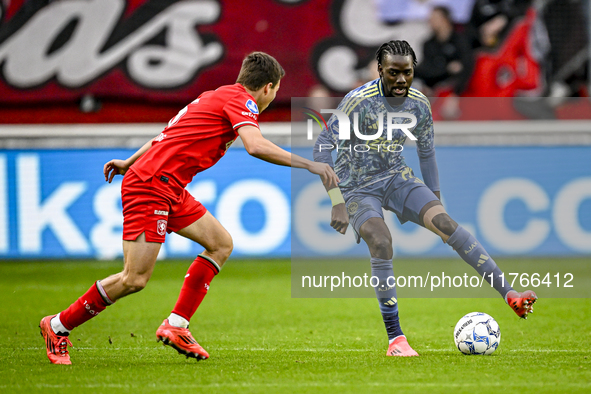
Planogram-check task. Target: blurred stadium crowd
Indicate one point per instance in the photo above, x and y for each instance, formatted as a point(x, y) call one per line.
point(69, 61)
point(491, 48)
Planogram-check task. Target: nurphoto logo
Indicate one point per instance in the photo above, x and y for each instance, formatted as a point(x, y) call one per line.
point(376, 140)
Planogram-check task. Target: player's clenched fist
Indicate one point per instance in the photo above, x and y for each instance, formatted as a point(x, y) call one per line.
point(113, 168)
point(339, 219)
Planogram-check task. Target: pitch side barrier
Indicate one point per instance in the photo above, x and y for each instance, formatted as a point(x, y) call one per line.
point(447, 133)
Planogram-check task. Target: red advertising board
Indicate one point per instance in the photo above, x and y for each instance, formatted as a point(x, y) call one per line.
point(151, 50)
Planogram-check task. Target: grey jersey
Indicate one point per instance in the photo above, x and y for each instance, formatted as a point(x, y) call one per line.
point(360, 161)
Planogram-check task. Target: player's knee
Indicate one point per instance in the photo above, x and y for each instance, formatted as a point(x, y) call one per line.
point(381, 246)
point(226, 247)
point(134, 283)
point(222, 249)
point(434, 217)
point(445, 224)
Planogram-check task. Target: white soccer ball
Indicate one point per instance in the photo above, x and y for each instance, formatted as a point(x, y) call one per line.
point(477, 333)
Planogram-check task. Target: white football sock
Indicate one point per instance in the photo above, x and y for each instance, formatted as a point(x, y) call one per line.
point(177, 321)
point(57, 326)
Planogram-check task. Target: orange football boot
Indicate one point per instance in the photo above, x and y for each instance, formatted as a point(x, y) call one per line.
point(56, 345)
point(522, 303)
point(401, 348)
point(181, 340)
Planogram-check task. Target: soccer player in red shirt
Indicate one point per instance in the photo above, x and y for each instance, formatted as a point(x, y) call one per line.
point(155, 202)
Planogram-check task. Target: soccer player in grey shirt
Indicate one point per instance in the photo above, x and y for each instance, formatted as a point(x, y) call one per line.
point(373, 175)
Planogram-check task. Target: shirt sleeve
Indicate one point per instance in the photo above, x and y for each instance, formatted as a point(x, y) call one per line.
point(426, 150)
point(242, 111)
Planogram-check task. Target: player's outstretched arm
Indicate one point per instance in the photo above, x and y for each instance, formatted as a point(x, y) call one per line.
point(117, 166)
point(258, 146)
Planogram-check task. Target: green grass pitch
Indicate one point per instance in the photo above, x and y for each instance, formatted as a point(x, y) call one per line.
point(261, 340)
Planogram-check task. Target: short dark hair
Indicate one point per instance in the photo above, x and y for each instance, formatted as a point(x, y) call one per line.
point(396, 47)
point(258, 69)
point(445, 11)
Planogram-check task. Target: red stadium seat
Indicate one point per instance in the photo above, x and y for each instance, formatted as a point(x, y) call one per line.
point(511, 68)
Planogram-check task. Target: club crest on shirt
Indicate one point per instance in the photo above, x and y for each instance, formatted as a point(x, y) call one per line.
point(161, 227)
point(252, 106)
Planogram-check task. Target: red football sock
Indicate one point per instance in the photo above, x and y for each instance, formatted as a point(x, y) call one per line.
point(85, 308)
point(195, 286)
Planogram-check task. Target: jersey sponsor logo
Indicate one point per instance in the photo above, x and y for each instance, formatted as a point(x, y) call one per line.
point(252, 106)
point(160, 137)
point(161, 227)
point(157, 212)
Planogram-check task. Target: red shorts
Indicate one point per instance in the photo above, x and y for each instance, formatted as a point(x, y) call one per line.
point(156, 207)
